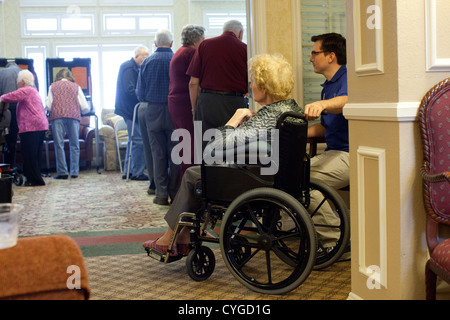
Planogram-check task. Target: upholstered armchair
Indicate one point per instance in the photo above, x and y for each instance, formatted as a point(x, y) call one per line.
point(86, 138)
point(434, 119)
point(43, 268)
point(108, 137)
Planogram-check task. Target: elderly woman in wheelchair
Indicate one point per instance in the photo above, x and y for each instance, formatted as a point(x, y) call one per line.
point(261, 204)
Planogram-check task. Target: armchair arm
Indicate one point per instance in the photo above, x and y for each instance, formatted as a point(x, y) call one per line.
point(440, 177)
point(89, 141)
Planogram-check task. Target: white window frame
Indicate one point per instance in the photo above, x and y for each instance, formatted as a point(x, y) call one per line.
point(137, 16)
point(58, 17)
point(223, 16)
point(98, 89)
point(56, 3)
point(43, 49)
point(140, 3)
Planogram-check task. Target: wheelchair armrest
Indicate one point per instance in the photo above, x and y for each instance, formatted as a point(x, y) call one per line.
point(249, 153)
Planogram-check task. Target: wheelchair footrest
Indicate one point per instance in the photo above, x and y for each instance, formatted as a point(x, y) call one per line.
point(161, 257)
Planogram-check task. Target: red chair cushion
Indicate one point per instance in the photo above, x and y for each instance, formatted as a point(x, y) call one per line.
point(440, 259)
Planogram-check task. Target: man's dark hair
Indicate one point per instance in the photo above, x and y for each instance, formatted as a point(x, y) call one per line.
point(333, 42)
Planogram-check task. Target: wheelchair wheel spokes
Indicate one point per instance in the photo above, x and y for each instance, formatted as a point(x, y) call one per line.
point(332, 222)
point(268, 254)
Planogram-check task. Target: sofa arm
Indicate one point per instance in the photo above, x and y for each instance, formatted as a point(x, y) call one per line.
point(106, 131)
point(47, 267)
point(89, 142)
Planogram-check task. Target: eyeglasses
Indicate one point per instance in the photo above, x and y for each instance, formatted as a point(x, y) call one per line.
point(315, 53)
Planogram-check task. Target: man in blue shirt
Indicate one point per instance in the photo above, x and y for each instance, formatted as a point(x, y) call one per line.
point(126, 100)
point(328, 58)
point(153, 88)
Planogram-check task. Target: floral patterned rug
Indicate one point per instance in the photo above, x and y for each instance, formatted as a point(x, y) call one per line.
point(92, 202)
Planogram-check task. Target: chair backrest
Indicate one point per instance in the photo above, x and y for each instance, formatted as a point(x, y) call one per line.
point(434, 120)
point(292, 175)
point(286, 168)
point(120, 125)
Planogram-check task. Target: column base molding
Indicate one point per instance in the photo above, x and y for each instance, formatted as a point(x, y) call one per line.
point(397, 112)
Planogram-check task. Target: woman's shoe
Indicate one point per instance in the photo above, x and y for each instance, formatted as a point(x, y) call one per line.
point(160, 248)
point(61, 177)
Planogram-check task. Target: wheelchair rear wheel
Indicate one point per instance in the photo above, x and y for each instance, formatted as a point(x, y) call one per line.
point(268, 241)
point(335, 225)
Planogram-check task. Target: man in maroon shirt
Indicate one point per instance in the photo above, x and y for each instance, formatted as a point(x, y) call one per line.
point(219, 78)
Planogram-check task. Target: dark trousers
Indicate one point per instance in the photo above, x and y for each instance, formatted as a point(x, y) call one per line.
point(160, 129)
point(214, 110)
point(146, 143)
point(31, 144)
point(11, 138)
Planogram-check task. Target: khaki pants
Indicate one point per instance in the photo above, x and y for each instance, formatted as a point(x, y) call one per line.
point(333, 168)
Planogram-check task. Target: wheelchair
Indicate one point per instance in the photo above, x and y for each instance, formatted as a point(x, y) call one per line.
point(264, 224)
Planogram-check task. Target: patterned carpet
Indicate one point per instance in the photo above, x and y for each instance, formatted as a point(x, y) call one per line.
point(110, 218)
point(92, 202)
point(159, 281)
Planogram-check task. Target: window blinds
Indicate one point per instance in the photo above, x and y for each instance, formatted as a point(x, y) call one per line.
point(318, 17)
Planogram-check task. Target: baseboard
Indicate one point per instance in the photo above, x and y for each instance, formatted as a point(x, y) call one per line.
point(352, 296)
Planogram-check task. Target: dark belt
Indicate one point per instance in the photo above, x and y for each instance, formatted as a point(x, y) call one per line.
point(223, 93)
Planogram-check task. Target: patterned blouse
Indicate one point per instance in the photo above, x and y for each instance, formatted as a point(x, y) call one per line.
point(264, 120)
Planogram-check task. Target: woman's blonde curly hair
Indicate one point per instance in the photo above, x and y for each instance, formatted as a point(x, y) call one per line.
point(272, 73)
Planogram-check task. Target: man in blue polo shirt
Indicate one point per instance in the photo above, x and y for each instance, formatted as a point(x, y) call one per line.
point(153, 87)
point(328, 58)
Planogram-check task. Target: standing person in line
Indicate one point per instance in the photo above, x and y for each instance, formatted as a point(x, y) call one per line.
point(147, 148)
point(32, 122)
point(126, 100)
point(329, 58)
point(8, 83)
point(66, 102)
point(219, 77)
point(179, 100)
point(153, 88)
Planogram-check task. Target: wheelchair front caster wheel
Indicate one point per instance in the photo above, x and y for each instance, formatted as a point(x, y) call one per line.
point(200, 263)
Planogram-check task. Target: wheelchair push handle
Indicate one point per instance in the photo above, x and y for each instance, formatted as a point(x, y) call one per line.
point(296, 115)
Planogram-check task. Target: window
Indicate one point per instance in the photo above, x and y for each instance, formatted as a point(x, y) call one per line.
point(136, 24)
point(213, 22)
point(318, 17)
point(105, 63)
point(108, 31)
point(38, 53)
point(57, 24)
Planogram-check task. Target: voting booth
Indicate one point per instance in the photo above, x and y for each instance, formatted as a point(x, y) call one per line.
point(22, 63)
point(81, 69)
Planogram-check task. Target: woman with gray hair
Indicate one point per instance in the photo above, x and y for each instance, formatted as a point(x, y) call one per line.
point(179, 100)
point(33, 124)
